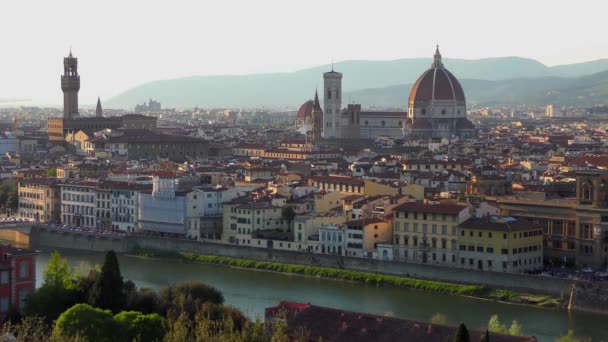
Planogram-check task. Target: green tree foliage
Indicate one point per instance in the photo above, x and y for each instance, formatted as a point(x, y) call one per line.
point(462, 334)
point(485, 337)
point(92, 323)
point(139, 327)
point(570, 337)
point(50, 302)
point(439, 318)
point(218, 312)
point(52, 172)
point(144, 300)
point(515, 329)
point(57, 293)
point(188, 297)
point(279, 333)
point(3, 198)
point(12, 201)
point(288, 214)
point(58, 274)
point(107, 291)
point(495, 326)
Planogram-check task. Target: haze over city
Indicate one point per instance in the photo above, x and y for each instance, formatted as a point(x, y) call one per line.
point(124, 44)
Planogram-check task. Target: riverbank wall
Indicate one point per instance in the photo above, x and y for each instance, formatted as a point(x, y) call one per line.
point(585, 295)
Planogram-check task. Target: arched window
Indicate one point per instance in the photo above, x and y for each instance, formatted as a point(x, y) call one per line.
point(587, 191)
point(329, 94)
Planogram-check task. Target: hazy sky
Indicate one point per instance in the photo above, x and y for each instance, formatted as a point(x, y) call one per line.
point(123, 43)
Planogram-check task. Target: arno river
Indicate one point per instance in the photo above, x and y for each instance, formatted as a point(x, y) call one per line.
point(252, 291)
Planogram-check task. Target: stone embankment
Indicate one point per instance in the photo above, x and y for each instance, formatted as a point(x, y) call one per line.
point(585, 295)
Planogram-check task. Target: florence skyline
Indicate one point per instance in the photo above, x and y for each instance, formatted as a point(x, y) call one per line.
point(123, 46)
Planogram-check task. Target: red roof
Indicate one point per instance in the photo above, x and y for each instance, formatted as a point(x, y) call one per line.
point(421, 124)
point(597, 160)
point(437, 83)
point(305, 110)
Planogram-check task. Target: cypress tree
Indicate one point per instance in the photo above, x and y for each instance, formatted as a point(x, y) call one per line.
point(462, 334)
point(485, 337)
point(107, 291)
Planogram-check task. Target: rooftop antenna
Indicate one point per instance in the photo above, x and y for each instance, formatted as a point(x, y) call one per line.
point(332, 63)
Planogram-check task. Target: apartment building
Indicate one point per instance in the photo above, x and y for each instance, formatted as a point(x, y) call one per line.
point(39, 199)
point(363, 235)
point(78, 203)
point(427, 232)
point(502, 244)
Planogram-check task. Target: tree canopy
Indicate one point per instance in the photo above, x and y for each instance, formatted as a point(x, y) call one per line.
point(107, 291)
point(84, 320)
point(462, 334)
point(57, 273)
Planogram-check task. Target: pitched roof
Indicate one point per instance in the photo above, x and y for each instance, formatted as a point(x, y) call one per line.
point(431, 208)
point(342, 325)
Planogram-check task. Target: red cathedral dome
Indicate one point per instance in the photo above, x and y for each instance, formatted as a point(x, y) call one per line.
point(437, 83)
point(305, 110)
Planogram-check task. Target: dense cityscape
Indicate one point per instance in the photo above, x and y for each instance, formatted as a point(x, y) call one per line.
point(345, 216)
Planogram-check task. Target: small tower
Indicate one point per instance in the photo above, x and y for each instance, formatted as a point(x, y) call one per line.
point(98, 110)
point(70, 84)
point(332, 101)
point(316, 118)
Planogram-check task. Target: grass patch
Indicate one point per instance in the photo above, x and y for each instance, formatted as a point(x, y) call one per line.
point(362, 277)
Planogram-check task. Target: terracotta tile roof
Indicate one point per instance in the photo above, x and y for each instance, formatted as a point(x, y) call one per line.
point(439, 208)
point(339, 180)
point(348, 326)
point(305, 110)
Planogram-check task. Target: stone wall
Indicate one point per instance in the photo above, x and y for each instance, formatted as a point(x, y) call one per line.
point(42, 237)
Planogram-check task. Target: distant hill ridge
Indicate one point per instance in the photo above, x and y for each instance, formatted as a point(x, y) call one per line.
point(383, 83)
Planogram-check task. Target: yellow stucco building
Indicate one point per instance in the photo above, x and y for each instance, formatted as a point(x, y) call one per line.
point(502, 244)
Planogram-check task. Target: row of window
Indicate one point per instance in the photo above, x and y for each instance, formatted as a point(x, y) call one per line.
point(425, 216)
point(519, 250)
point(504, 235)
point(30, 206)
point(23, 194)
point(424, 242)
point(77, 198)
point(435, 229)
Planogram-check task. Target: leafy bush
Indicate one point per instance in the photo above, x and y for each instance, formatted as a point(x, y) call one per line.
point(139, 327)
point(187, 297)
point(92, 323)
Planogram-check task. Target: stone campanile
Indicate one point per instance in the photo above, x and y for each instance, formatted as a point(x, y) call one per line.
point(332, 101)
point(70, 84)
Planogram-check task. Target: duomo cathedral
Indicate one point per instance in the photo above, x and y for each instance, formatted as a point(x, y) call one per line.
point(436, 109)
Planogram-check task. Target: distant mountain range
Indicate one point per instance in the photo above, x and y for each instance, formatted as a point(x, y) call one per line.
point(489, 81)
point(588, 90)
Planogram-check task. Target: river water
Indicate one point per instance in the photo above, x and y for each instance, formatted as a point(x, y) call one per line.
point(252, 291)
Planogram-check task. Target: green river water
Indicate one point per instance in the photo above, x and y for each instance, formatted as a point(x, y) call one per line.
point(252, 291)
